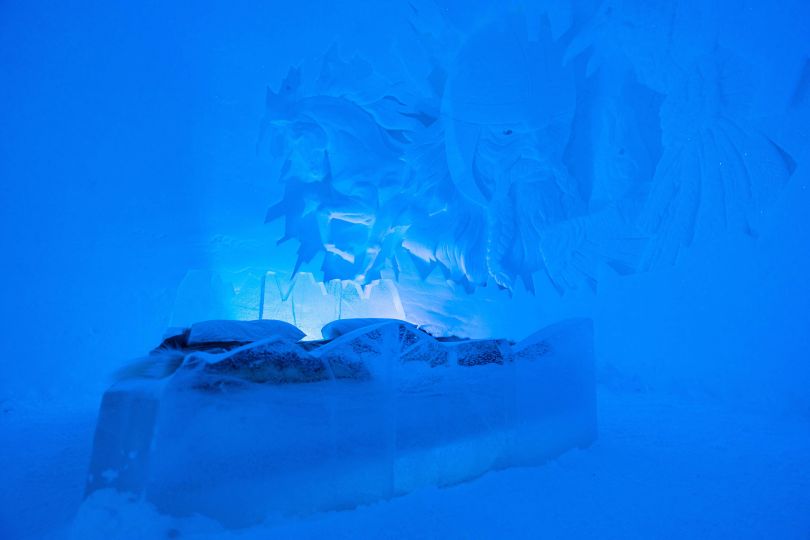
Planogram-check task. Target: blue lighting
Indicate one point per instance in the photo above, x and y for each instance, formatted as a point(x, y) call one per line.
point(482, 171)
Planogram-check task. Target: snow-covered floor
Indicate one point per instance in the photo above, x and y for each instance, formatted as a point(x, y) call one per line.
point(663, 467)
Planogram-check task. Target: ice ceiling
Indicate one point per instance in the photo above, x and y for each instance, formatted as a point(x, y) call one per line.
point(539, 145)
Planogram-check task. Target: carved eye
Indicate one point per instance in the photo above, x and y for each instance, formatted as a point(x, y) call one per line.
point(507, 132)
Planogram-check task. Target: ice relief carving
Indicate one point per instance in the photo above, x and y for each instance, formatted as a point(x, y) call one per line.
point(537, 145)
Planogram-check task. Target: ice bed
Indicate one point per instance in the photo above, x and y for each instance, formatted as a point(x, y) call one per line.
point(240, 421)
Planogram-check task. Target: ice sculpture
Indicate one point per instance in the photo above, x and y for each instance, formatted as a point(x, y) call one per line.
point(240, 432)
point(545, 141)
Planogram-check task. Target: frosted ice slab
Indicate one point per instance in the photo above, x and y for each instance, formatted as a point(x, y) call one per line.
point(277, 427)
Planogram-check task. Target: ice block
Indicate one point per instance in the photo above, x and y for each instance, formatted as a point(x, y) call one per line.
point(276, 427)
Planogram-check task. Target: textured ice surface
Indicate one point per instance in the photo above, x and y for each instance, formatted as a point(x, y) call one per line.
point(480, 352)
point(380, 347)
point(273, 360)
point(273, 428)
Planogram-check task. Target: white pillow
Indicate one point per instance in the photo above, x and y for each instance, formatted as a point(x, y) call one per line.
point(337, 328)
point(242, 331)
